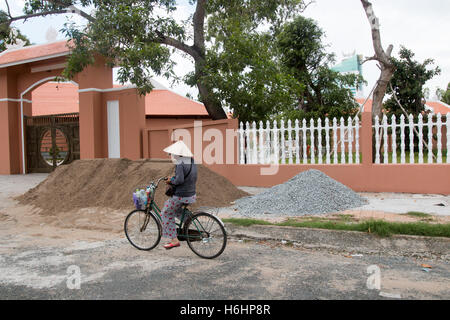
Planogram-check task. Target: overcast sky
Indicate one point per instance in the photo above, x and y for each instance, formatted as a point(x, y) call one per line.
point(422, 26)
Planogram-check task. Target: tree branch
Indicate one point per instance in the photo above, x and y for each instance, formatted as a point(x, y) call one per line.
point(380, 54)
point(73, 9)
point(369, 59)
point(384, 60)
point(67, 9)
point(27, 16)
point(9, 11)
point(197, 51)
point(176, 44)
point(406, 115)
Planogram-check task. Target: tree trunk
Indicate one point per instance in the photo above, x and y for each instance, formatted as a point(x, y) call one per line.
point(380, 91)
point(212, 105)
point(386, 66)
point(384, 58)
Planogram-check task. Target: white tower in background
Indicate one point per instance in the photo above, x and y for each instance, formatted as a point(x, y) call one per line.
point(51, 34)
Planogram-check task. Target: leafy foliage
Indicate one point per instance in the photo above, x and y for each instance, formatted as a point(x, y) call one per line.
point(408, 81)
point(444, 95)
point(140, 36)
point(244, 56)
point(247, 77)
point(324, 92)
point(121, 34)
point(8, 35)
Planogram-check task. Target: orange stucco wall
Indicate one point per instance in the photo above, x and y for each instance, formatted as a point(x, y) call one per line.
point(426, 178)
point(165, 122)
point(55, 98)
point(364, 177)
point(156, 139)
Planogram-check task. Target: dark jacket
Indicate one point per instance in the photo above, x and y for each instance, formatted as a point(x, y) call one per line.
point(185, 187)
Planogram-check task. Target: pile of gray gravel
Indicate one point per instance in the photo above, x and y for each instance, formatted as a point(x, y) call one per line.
point(309, 193)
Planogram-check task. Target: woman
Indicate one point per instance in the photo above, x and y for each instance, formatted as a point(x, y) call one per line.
point(184, 181)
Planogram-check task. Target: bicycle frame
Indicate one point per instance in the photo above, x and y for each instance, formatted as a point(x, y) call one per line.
point(152, 207)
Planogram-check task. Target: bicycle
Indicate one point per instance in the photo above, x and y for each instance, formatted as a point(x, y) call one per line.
point(204, 233)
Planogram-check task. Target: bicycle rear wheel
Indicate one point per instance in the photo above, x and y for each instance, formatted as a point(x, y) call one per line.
point(206, 235)
point(143, 230)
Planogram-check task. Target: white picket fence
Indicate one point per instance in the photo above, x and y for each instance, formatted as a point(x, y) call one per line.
point(320, 142)
point(386, 147)
point(337, 142)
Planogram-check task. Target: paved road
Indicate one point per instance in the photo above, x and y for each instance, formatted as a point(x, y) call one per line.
point(247, 270)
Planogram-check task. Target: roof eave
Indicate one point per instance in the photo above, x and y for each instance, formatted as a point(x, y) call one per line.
point(52, 56)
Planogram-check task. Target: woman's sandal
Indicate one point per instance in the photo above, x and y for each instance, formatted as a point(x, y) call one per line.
point(171, 245)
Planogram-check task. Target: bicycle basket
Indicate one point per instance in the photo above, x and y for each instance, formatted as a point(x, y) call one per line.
point(139, 200)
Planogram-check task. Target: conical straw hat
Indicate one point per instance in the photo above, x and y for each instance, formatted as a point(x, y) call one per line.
point(180, 149)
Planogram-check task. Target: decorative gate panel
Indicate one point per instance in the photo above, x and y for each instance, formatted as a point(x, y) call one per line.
point(51, 141)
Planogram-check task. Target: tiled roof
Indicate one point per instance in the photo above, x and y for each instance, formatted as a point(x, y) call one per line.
point(168, 103)
point(54, 98)
point(438, 107)
point(435, 106)
point(33, 53)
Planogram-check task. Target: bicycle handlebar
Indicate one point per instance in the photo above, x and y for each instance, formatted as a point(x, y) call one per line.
point(159, 181)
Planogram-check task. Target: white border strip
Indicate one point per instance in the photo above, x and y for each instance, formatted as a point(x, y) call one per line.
point(16, 100)
point(135, 87)
point(107, 90)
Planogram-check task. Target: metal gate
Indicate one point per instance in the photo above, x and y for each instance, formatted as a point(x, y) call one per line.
point(51, 141)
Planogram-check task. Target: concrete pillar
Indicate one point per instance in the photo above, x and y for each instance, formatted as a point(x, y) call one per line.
point(91, 125)
point(91, 81)
point(132, 121)
point(366, 138)
point(10, 141)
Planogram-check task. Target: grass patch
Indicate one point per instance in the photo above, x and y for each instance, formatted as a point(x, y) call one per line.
point(246, 222)
point(418, 214)
point(379, 227)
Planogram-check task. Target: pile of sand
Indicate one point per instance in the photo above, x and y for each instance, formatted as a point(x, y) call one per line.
point(110, 183)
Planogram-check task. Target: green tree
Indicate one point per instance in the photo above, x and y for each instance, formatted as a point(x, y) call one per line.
point(408, 81)
point(140, 36)
point(444, 95)
point(247, 76)
point(322, 91)
point(8, 35)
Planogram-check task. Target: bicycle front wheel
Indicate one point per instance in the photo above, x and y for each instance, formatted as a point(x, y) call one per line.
point(206, 235)
point(143, 230)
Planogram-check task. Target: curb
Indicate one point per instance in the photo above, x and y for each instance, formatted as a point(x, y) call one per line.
point(346, 241)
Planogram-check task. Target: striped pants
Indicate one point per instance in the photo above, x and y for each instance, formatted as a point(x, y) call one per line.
point(172, 209)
